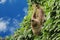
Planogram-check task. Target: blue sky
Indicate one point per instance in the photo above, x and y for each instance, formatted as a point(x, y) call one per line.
point(12, 13)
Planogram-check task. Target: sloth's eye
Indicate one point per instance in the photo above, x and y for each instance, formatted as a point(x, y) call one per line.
point(32, 20)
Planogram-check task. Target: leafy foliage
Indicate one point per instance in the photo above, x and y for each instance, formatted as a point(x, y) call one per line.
point(51, 28)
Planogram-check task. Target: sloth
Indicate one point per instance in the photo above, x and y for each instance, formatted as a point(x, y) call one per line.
point(37, 19)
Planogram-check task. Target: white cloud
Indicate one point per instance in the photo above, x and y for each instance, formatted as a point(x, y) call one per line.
point(2, 1)
point(18, 15)
point(16, 22)
point(12, 29)
point(16, 25)
point(12, 1)
point(25, 10)
point(3, 25)
point(1, 19)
